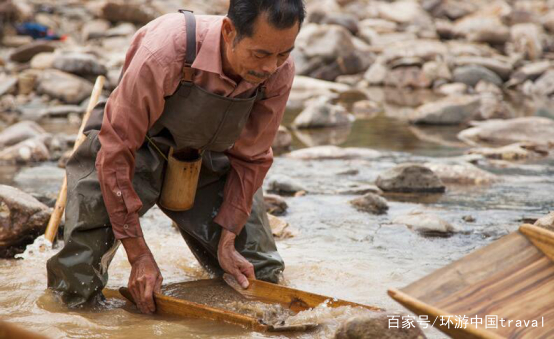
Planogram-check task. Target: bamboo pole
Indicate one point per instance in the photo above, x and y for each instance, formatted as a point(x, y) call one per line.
point(53, 224)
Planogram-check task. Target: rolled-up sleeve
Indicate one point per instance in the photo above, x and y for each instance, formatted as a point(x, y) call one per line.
point(251, 156)
point(132, 108)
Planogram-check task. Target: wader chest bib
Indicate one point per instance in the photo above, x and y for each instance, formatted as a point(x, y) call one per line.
point(192, 118)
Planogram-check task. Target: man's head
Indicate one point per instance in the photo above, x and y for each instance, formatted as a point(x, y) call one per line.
point(259, 36)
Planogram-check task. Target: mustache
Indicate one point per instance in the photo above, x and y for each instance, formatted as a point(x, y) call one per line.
point(264, 75)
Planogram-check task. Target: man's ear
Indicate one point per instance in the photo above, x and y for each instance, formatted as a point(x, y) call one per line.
point(228, 31)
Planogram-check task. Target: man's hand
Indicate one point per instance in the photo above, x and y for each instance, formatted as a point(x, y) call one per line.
point(145, 278)
point(232, 262)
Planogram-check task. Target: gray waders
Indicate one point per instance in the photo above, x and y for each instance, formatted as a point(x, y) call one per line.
point(192, 118)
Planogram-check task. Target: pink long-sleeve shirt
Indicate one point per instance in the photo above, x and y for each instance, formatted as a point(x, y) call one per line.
point(152, 71)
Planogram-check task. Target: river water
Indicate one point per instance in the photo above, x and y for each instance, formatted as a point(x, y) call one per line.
point(338, 252)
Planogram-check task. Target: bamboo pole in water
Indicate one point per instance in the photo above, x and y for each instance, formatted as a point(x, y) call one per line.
point(52, 228)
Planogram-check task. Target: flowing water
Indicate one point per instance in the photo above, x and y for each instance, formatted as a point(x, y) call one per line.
point(339, 251)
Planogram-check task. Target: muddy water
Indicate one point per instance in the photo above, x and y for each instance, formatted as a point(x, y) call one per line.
point(339, 252)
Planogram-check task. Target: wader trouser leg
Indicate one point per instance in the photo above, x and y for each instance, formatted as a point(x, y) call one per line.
point(255, 242)
point(79, 271)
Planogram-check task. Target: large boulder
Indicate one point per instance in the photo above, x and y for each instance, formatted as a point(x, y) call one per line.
point(408, 178)
point(378, 325)
point(472, 74)
point(371, 203)
point(22, 219)
point(79, 63)
point(64, 86)
point(537, 130)
point(452, 110)
point(322, 113)
point(26, 52)
point(333, 152)
point(427, 224)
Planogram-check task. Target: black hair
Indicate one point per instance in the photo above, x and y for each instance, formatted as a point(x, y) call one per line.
point(282, 14)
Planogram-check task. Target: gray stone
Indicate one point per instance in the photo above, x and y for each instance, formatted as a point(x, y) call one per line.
point(537, 130)
point(359, 189)
point(27, 52)
point(530, 71)
point(333, 152)
point(502, 68)
point(451, 110)
point(472, 74)
point(64, 86)
point(426, 223)
point(282, 141)
point(513, 152)
point(30, 150)
point(408, 178)
point(371, 203)
point(321, 113)
point(275, 204)
point(79, 63)
point(377, 325)
point(22, 219)
point(44, 180)
point(326, 41)
point(461, 173)
point(282, 184)
point(19, 132)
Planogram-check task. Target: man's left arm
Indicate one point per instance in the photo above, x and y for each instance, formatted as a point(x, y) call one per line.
point(250, 158)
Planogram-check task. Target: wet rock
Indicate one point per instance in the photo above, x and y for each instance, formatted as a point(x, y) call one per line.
point(79, 63)
point(377, 325)
point(517, 151)
point(502, 68)
point(376, 74)
point(333, 152)
point(403, 77)
point(546, 222)
point(544, 84)
point(94, 29)
point(360, 190)
point(43, 60)
point(366, 109)
point(282, 184)
point(472, 74)
point(451, 110)
point(30, 150)
point(321, 113)
point(282, 141)
point(468, 218)
point(371, 203)
point(64, 86)
point(461, 173)
point(527, 39)
point(428, 224)
point(479, 28)
point(408, 178)
point(22, 219)
point(8, 84)
point(275, 204)
point(19, 132)
point(136, 13)
point(280, 228)
point(27, 52)
point(536, 130)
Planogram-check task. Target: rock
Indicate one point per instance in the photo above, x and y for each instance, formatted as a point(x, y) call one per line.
point(502, 68)
point(480, 28)
point(64, 86)
point(282, 141)
point(371, 203)
point(282, 184)
point(43, 60)
point(408, 178)
point(27, 52)
point(19, 132)
point(280, 228)
point(94, 29)
point(62, 162)
point(428, 224)
point(452, 110)
point(379, 26)
point(322, 17)
point(131, 12)
point(366, 109)
point(26, 82)
point(360, 190)
point(403, 12)
point(403, 77)
point(30, 150)
point(306, 88)
point(378, 325)
point(517, 151)
point(16, 41)
point(546, 222)
point(427, 50)
point(44, 180)
point(123, 29)
point(275, 204)
point(485, 87)
point(79, 63)
point(537, 130)
point(548, 21)
point(527, 39)
point(321, 113)
point(493, 106)
point(333, 152)
point(468, 218)
point(461, 173)
point(353, 63)
point(472, 74)
point(376, 74)
point(435, 70)
point(544, 84)
point(328, 42)
point(22, 219)
point(62, 111)
point(8, 84)
point(456, 88)
point(529, 72)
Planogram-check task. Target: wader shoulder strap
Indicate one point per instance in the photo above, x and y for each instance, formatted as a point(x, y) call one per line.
point(188, 72)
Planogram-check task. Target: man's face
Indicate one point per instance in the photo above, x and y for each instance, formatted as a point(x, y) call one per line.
point(256, 58)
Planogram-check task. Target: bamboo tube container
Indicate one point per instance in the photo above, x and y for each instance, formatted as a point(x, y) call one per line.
point(181, 180)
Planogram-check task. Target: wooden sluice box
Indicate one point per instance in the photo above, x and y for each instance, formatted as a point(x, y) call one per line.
point(510, 279)
point(262, 307)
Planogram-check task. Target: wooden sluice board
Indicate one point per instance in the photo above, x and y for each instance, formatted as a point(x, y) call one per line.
point(512, 278)
point(293, 299)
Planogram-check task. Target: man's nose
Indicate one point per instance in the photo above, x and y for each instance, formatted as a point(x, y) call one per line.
point(270, 67)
